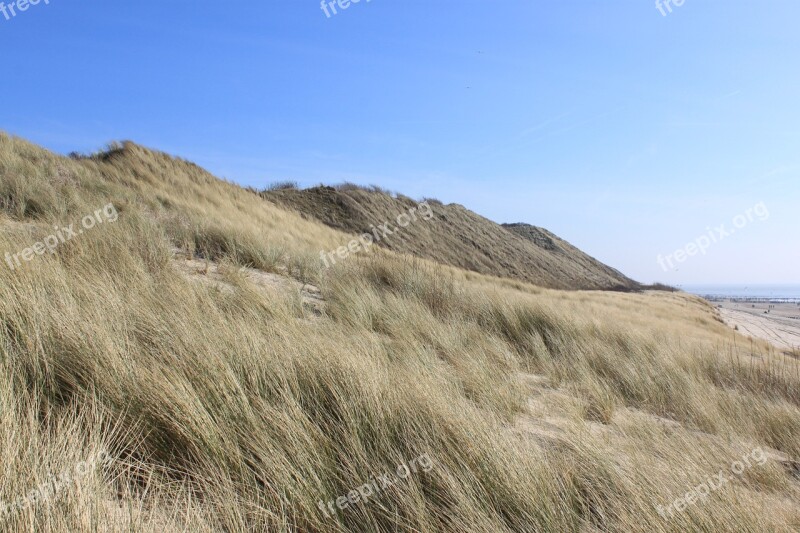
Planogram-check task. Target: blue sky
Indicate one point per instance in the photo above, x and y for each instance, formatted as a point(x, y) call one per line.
point(629, 133)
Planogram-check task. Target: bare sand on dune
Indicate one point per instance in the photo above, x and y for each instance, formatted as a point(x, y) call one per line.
point(781, 326)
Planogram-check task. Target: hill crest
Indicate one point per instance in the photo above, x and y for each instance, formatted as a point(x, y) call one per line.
point(456, 236)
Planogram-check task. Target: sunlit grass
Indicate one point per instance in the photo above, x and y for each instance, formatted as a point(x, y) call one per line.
point(235, 410)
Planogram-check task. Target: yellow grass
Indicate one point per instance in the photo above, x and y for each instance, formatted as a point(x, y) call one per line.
point(231, 406)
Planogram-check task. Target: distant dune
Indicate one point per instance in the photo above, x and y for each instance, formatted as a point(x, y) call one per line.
point(458, 237)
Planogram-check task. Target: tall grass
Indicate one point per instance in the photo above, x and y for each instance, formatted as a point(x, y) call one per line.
point(231, 410)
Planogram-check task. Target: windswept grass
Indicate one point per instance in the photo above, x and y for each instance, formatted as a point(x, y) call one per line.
point(237, 410)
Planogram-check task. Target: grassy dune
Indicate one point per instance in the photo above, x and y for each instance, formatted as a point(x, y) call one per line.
point(453, 235)
point(234, 406)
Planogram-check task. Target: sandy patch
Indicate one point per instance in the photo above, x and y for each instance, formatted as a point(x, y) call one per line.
point(209, 272)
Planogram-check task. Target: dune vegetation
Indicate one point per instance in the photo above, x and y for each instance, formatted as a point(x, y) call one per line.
point(452, 235)
point(180, 339)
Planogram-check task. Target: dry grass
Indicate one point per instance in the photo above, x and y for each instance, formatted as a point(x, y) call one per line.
point(455, 236)
point(237, 409)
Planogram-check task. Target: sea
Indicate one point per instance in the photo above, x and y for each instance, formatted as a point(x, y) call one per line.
point(744, 291)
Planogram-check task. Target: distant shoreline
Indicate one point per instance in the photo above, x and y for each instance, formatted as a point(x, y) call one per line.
point(749, 299)
point(746, 293)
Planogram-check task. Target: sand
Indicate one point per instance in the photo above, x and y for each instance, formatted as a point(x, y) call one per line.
point(781, 326)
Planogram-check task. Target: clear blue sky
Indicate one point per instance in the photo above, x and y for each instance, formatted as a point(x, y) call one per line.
point(624, 131)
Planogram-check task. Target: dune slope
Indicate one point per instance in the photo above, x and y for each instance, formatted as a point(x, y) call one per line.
point(237, 385)
point(453, 236)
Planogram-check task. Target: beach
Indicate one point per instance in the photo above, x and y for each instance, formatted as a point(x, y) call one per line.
point(777, 323)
